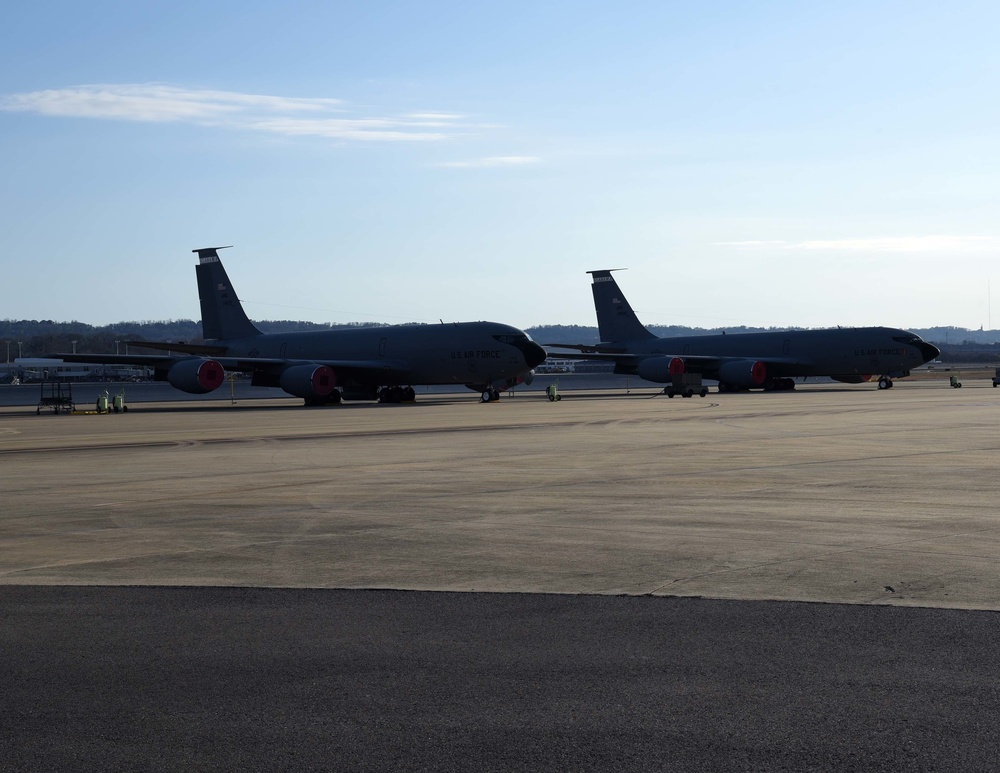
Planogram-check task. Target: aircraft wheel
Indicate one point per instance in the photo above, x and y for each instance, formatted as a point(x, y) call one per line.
point(704, 391)
point(409, 395)
point(486, 396)
point(883, 383)
point(670, 394)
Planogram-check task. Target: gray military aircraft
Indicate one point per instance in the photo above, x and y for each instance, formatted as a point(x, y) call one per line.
point(377, 363)
point(746, 360)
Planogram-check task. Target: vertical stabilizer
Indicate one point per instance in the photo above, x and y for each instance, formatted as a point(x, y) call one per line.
point(615, 319)
point(222, 314)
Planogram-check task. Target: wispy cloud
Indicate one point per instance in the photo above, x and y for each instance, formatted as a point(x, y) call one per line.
point(290, 116)
point(489, 161)
point(938, 243)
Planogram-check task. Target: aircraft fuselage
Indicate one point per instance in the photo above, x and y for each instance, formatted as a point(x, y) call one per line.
point(801, 353)
point(449, 353)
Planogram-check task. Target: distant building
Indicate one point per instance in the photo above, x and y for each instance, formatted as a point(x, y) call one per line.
point(553, 365)
point(32, 370)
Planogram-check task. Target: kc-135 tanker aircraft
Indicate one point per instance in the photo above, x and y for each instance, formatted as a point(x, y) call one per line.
point(325, 366)
point(746, 360)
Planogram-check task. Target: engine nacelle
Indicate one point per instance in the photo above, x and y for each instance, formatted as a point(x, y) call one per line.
point(744, 374)
point(852, 379)
point(308, 380)
point(196, 376)
point(660, 369)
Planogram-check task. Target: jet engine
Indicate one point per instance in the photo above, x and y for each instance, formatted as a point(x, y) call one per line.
point(851, 379)
point(196, 376)
point(308, 380)
point(743, 374)
point(660, 369)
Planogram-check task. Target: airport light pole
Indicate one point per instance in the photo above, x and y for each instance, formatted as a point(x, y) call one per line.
point(116, 347)
point(8, 352)
point(19, 349)
point(74, 346)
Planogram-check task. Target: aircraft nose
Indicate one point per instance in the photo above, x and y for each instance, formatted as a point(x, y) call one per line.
point(534, 354)
point(928, 351)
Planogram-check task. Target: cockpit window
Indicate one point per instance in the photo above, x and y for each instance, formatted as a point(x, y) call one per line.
point(512, 339)
point(911, 340)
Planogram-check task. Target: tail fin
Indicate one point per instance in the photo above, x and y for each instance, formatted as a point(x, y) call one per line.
point(222, 315)
point(615, 319)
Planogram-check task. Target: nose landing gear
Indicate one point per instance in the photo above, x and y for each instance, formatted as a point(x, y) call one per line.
point(490, 395)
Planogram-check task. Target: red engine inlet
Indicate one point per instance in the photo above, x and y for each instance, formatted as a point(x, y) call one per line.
point(743, 374)
point(660, 369)
point(308, 381)
point(196, 376)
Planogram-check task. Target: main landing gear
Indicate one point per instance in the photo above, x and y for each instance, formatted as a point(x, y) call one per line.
point(779, 384)
point(670, 391)
point(490, 395)
point(885, 383)
point(396, 394)
point(770, 385)
point(333, 398)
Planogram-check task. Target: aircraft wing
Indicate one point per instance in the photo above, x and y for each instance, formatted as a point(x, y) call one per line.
point(275, 365)
point(149, 360)
point(357, 368)
point(696, 361)
point(587, 348)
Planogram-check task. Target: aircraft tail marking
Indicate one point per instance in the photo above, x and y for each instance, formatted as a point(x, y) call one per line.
point(222, 314)
point(615, 319)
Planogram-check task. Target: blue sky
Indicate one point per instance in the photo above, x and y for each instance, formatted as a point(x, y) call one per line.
point(759, 163)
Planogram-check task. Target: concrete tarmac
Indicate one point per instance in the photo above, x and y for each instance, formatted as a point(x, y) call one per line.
point(843, 495)
point(838, 495)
